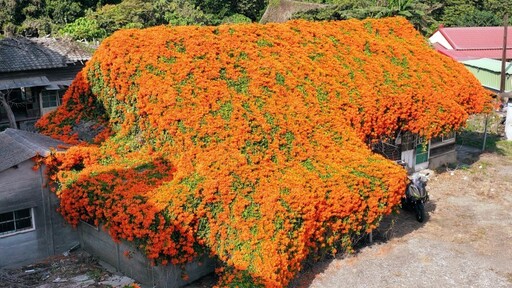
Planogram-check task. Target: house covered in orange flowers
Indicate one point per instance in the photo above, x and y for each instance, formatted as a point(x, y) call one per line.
point(252, 143)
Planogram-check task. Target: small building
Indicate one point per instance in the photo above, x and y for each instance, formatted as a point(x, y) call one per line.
point(418, 153)
point(488, 72)
point(35, 73)
point(30, 226)
point(480, 49)
point(467, 43)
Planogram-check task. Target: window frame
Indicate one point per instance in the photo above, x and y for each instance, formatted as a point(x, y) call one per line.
point(50, 93)
point(443, 139)
point(22, 230)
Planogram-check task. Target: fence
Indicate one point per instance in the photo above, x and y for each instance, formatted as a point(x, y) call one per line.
point(474, 134)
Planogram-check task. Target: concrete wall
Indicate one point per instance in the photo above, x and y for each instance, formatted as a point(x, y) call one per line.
point(22, 188)
point(99, 243)
point(442, 159)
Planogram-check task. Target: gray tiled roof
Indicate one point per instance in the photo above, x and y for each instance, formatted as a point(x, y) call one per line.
point(17, 146)
point(23, 54)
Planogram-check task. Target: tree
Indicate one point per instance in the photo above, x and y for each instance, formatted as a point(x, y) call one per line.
point(9, 15)
point(417, 12)
point(499, 8)
point(84, 28)
point(454, 10)
point(64, 11)
point(4, 101)
point(127, 14)
point(253, 9)
point(478, 18)
point(180, 12)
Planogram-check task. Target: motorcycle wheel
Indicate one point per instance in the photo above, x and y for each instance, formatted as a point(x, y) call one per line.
point(419, 207)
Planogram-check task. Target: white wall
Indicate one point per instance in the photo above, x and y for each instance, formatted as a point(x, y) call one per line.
point(439, 38)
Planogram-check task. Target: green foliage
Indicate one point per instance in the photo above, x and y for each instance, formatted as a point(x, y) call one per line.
point(425, 15)
point(39, 17)
point(180, 12)
point(126, 14)
point(504, 147)
point(419, 13)
point(474, 13)
point(93, 19)
point(499, 8)
point(63, 11)
point(478, 18)
point(36, 27)
point(236, 18)
point(252, 9)
point(97, 19)
point(84, 28)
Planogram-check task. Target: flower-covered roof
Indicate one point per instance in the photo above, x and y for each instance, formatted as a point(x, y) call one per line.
point(250, 141)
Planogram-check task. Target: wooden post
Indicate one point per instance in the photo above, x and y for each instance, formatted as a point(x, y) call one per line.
point(485, 131)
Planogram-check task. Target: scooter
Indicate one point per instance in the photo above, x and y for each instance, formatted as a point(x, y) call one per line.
point(416, 194)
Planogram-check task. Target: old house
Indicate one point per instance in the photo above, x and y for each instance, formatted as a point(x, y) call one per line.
point(30, 226)
point(34, 74)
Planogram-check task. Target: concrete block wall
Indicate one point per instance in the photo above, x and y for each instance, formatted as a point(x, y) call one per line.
point(442, 159)
point(99, 243)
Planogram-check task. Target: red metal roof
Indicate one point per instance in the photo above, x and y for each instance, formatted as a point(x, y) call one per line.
point(474, 42)
point(462, 55)
point(468, 38)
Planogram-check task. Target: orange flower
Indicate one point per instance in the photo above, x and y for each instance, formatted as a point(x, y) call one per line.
point(249, 140)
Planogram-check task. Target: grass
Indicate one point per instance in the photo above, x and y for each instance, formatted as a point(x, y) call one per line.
point(494, 143)
point(504, 148)
point(476, 140)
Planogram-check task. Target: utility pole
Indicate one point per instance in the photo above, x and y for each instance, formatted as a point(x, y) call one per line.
point(508, 116)
point(504, 55)
point(508, 134)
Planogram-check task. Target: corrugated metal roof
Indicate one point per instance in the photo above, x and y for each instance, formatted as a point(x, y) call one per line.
point(492, 65)
point(488, 72)
point(473, 42)
point(17, 146)
point(462, 38)
point(463, 55)
point(23, 54)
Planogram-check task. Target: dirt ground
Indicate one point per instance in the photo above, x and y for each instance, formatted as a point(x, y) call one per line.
point(466, 241)
point(76, 269)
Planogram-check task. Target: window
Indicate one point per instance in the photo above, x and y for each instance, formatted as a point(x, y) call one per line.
point(443, 139)
point(52, 98)
point(16, 221)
